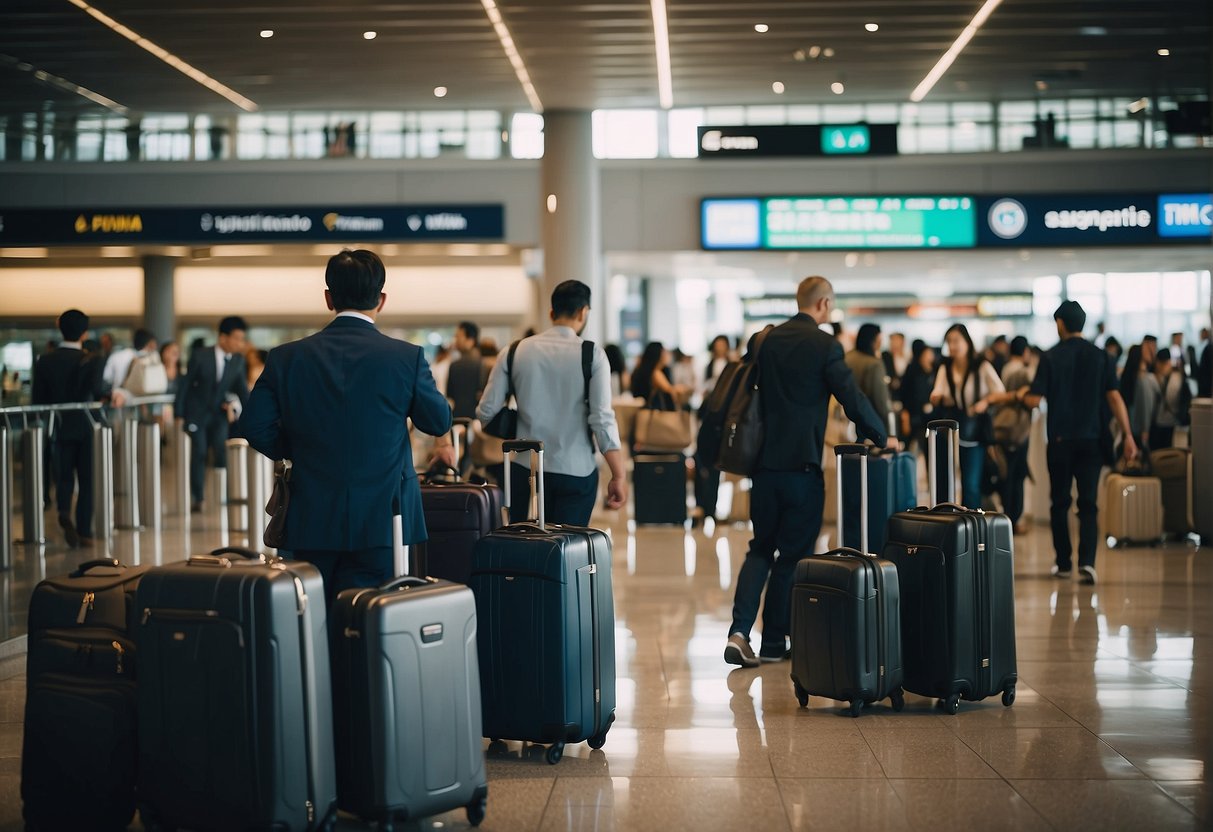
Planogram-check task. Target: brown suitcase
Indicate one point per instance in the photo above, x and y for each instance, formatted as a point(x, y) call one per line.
point(1173, 466)
point(1133, 508)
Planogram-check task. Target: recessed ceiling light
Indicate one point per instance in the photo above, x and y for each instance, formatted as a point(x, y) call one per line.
point(814, 51)
point(761, 28)
point(1042, 85)
point(828, 52)
point(1139, 106)
point(1163, 53)
point(778, 88)
point(799, 55)
point(872, 27)
point(267, 33)
point(440, 92)
point(1093, 31)
point(369, 35)
point(837, 88)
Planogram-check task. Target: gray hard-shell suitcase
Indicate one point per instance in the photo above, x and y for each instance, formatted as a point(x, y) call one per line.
point(235, 710)
point(846, 616)
point(956, 569)
point(547, 629)
point(406, 699)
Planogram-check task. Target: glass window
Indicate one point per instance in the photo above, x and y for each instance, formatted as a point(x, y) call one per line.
point(684, 132)
point(907, 138)
point(769, 114)
point(841, 113)
point(1126, 134)
point(1011, 136)
point(625, 134)
point(1132, 293)
point(484, 119)
point(880, 113)
point(724, 116)
point(972, 111)
point(970, 137)
point(484, 143)
point(932, 114)
point(526, 136)
point(1181, 292)
point(804, 114)
point(934, 139)
point(1081, 134)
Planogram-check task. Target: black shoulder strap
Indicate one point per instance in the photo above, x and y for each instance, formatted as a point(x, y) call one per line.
point(509, 371)
point(587, 372)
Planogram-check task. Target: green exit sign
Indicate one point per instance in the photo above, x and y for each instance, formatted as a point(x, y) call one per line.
point(854, 138)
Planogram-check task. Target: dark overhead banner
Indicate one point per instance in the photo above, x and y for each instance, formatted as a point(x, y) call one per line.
point(216, 226)
point(1068, 220)
point(768, 140)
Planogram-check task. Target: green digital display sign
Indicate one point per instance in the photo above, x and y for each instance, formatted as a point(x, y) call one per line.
point(868, 222)
point(852, 139)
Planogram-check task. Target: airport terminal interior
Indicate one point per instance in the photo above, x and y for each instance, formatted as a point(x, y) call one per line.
point(976, 162)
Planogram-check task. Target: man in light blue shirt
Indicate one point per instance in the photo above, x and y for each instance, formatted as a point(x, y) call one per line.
point(550, 390)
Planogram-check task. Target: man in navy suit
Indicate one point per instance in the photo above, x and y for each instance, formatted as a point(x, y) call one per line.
point(336, 404)
point(214, 390)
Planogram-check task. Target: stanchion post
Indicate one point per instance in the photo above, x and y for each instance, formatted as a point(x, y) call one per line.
point(260, 477)
point(239, 468)
point(148, 458)
point(103, 481)
point(181, 471)
point(6, 501)
point(34, 530)
point(126, 486)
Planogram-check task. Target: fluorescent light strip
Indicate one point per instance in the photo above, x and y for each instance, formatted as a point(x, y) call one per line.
point(166, 56)
point(942, 66)
point(64, 84)
point(661, 34)
point(511, 52)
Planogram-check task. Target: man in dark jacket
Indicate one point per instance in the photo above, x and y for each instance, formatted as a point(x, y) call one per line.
point(210, 398)
point(69, 375)
point(336, 404)
point(800, 368)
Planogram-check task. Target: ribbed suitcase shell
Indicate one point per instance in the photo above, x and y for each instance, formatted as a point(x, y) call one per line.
point(1173, 467)
point(457, 514)
point(406, 700)
point(80, 692)
point(235, 706)
point(1133, 507)
point(547, 634)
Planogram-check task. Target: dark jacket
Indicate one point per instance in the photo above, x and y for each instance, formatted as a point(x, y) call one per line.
point(200, 396)
point(465, 383)
point(1204, 373)
point(800, 368)
point(336, 405)
point(68, 375)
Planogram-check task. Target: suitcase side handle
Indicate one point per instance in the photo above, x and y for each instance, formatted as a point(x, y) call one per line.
point(250, 554)
point(406, 581)
point(83, 568)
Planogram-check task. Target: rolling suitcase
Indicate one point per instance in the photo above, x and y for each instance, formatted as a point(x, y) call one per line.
point(78, 760)
point(457, 514)
point(1200, 440)
point(892, 487)
point(235, 710)
point(846, 618)
point(406, 700)
point(1173, 467)
point(956, 570)
point(1133, 506)
point(546, 619)
point(659, 481)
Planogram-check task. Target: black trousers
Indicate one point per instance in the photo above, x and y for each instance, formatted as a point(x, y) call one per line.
point(567, 500)
point(707, 484)
point(1161, 437)
point(1074, 461)
point(349, 570)
point(1012, 488)
point(209, 436)
point(74, 464)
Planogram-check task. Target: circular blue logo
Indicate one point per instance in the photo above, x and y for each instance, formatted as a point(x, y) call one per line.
point(1008, 218)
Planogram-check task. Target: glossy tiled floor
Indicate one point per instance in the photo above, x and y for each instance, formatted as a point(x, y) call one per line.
point(1110, 730)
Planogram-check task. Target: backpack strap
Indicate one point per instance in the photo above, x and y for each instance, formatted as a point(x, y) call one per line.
point(509, 371)
point(587, 372)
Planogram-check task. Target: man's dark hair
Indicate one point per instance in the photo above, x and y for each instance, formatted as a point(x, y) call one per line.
point(355, 279)
point(142, 338)
point(232, 323)
point(917, 347)
point(865, 340)
point(1019, 345)
point(72, 324)
point(470, 330)
point(1152, 339)
point(1072, 316)
point(569, 298)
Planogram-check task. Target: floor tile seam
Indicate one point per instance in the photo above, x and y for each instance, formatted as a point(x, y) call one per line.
point(1173, 799)
point(1029, 803)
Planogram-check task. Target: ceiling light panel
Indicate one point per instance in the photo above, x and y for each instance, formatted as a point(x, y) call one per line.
point(167, 57)
point(63, 84)
point(511, 52)
point(661, 36)
point(949, 57)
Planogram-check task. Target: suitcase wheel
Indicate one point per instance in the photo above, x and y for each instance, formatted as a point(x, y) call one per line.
point(855, 709)
point(1008, 697)
point(802, 696)
point(599, 740)
point(951, 704)
point(554, 753)
point(898, 699)
point(476, 810)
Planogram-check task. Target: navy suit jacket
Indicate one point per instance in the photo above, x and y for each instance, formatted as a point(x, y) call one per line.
point(200, 396)
point(336, 404)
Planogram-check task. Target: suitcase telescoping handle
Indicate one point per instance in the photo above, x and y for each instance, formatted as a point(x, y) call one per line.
point(82, 569)
point(951, 429)
point(860, 451)
point(400, 558)
point(456, 423)
point(511, 448)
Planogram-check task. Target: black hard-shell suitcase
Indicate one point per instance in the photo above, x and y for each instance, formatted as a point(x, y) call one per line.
point(846, 620)
point(892, 487)
point(546, 618)
point(957, 574)
point(406, 702)
point(235, 709)
point(79, 755)
point(659, 483)
point(457, 514)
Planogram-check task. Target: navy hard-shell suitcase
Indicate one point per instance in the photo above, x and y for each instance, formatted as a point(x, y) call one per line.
point(78, 761)
point(235, 706)
point(846, 619)
point(892, 487)
point(406, 702)
point(547, 629)
point(957, 574)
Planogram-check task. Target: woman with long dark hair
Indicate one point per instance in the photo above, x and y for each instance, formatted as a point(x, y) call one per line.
point(649, 381)
point(1141, 392)
point(966, 386)
point(619, 369)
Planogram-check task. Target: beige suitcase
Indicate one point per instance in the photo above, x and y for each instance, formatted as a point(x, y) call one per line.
point(1133, 507)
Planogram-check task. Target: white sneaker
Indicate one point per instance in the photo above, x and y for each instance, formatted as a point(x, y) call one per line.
point(1057, 572)
point(1086, 575)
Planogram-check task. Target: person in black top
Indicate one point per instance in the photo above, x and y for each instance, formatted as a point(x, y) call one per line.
point(800, 367)
point(915, 394)
point(1077, 378)
point(63, 376)
point(469, 375)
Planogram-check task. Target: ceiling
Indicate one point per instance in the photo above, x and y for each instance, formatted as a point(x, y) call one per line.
point(593, 54)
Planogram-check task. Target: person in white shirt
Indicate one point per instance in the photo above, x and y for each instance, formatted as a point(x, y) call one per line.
point(118, 365)
point(550, 388)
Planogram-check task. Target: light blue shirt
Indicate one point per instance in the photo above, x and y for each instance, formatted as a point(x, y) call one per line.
point(550, 390)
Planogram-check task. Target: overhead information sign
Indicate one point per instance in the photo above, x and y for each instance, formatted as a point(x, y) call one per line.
point(1185, 215)
point(839, 222)
point(770, 140)
point(396, 223)
point(1069, 220)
